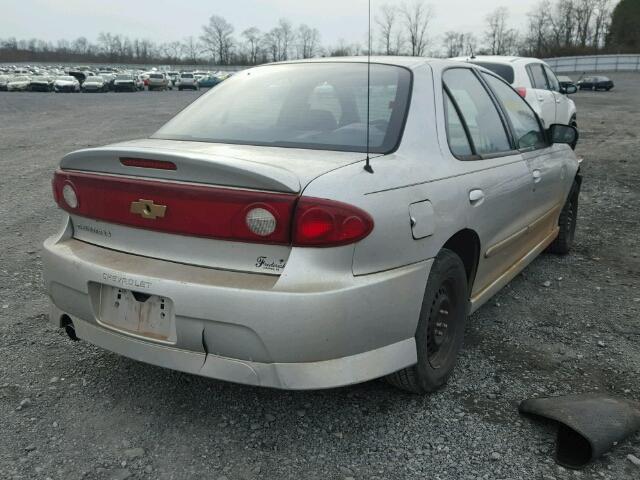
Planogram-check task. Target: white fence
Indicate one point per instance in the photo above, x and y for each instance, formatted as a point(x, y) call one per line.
point(595, 63)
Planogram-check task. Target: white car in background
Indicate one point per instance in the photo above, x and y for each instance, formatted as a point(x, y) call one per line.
point(534, 80)
point(189, 81)
point(66, 83)
point(19, 84)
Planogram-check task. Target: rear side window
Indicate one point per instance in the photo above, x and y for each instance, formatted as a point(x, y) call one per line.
point(486, 130)
point(525, 125)
point(456, 134)
point(537, 76)
point(505, 71)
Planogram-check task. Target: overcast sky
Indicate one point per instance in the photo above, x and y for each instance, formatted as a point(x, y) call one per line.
point(162, 20)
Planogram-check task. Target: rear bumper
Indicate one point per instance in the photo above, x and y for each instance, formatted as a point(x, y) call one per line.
point(247, 328)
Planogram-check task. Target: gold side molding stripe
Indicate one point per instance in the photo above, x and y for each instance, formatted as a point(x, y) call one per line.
point(502, 244)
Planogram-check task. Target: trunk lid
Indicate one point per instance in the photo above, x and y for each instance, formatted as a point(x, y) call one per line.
point(205, 190)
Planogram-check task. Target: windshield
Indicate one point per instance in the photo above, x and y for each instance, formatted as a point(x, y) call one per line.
point(123, 77)
point(21, 79)
point(65, 79)
point(156, 75)
point(505, 71)
point(94, 79)
point(186, 75)
point(315, 106)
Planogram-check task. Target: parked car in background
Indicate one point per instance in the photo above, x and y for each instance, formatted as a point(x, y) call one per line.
point(158, 81)
point(41, 83)
point(4, 80)
point(108, 78)
point(125, 83)
point(534, 80)
point(187, 81)
point(19, 84)
point(173, 77)
point(66, 83)
point(79, 75)
point(302, 264)
point(595, 83)
point(95, 84)
point(209, 81)
point(141, 81)
point(565, 81)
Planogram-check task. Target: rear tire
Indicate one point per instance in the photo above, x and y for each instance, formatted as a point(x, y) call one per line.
point(440, 331)
point(567, 223)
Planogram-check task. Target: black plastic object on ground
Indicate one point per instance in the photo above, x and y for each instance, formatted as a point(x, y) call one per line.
point(588, 425)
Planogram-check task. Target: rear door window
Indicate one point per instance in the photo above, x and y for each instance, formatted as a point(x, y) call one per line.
point(526, 128)
point(480, 115)
point(538, 78)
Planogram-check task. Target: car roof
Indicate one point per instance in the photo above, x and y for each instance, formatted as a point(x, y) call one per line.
point(406, 62)
point(502, 59)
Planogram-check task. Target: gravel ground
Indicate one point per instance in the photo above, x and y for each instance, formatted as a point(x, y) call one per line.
point(566, 325)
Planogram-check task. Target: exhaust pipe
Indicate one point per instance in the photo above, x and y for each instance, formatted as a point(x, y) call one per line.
point(588, 425)
point(70, 330)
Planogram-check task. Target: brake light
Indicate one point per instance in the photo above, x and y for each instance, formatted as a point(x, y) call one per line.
point(522, 91)
point(326, 223)
point(144, 163)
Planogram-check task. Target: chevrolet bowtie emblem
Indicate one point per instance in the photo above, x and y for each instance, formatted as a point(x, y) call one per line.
point(147, 209)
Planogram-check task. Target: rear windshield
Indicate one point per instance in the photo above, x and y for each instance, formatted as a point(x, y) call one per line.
point(314, 106)
point(505, 71)
point(186, 75)
point(155, 75)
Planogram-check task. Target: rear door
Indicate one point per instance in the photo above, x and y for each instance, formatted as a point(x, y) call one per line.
point(542, 93)
point(497, 183)
point(545, 162)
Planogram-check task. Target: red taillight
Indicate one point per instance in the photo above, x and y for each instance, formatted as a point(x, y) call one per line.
point(144, 163)
point(522, 91)
point(213, 212)
point(180, 208)
point(325, 223)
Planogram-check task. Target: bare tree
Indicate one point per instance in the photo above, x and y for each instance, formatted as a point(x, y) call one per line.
point(278, 41)
point(417, 17)
point(501, 40)
point(602, 22)
point(252, 41)
point(172, 50)
point(308, 41)
point(191, 49)
point(217, 38)
point(287, 37)
point(539, 29)
point(386, 21)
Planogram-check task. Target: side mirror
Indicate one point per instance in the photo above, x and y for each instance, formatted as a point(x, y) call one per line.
point(562, 134)
point(569, 89)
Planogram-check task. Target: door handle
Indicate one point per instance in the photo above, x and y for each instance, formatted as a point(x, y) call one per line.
point(537, 176)
point(476, 197)
point(541, 99)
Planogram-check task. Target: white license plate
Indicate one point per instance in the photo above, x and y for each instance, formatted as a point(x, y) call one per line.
point(144, 315)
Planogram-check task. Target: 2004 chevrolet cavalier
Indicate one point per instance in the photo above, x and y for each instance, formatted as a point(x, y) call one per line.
point(245, 240)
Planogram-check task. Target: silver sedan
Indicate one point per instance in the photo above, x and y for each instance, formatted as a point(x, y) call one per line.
point(298, 227)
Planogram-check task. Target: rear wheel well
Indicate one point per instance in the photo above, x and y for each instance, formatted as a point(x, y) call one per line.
point(466, 244)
